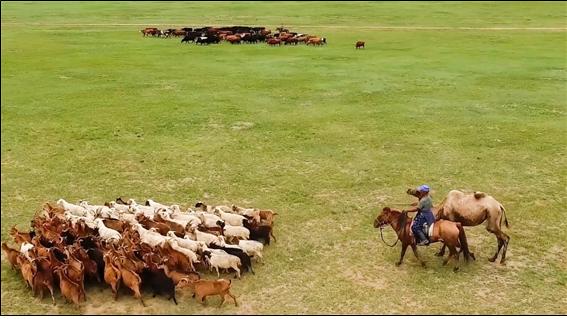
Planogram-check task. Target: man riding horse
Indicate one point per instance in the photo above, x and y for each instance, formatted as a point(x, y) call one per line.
point(424, 215)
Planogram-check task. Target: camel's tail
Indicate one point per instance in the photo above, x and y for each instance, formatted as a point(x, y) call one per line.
point(464, 244)
point(505, 219)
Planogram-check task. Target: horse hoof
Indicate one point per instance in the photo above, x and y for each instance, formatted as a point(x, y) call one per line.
point(423, 265)
point(456, 269)
point(439, 254)
point(503, 262)
point(472, 256)
point(398, 264)
point(492, 260)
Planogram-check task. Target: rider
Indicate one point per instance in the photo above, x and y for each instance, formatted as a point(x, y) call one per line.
point(424, 215)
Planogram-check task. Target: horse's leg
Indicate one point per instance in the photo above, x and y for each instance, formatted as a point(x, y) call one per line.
point(404, 247)
point(441, 253)
point(456, 254)
point(414, 248)
point(500, 244)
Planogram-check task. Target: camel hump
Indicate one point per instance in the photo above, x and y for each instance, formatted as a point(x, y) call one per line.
point(479, 195)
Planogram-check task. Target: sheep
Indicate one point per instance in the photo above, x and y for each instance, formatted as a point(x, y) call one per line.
point(145, 210)
point(25, 250)
point(193, 220)
point(209, 220)
point(73, 209)
point(95, 209)
point(231, 232)
point(250, 212)
point(252, 248)
point(203, 288)
point(207, 238)
point(194, 246)
point(155, 205)
point(238, 252)
point(229, 218)
point(149, 237)
point(118, 207)
point(106, 233)
point(209, 209)
point(224, 262)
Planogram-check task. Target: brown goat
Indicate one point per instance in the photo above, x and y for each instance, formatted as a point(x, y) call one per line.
point(12, 255)
point(115, 224)
point(131, 279)
point(76, 271)
point(28, 271)
point(148, 223)
point(177, 228)
point(91, 267)
point(203, 288)
point(69, 289)
point(43, 278)
point(177, 275)
point(112, 275)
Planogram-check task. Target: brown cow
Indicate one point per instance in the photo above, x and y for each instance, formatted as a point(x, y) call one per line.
point(265, 32)
point(290, 41)
point(234, 39)
point(359, 44)
point(146, 32)
point(315, 41)
point(178, 33)
point(274, 42)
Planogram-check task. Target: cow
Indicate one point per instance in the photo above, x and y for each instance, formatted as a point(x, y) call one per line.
point(314, 41)
point(234, 39)
point(359, 44)
point(291, 41)
point(274, 42)
point(190, 37)
point(207, 40)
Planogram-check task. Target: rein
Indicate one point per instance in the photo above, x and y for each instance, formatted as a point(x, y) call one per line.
point(382, 236)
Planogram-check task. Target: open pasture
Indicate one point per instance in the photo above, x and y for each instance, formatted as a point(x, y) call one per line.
point(325, 136)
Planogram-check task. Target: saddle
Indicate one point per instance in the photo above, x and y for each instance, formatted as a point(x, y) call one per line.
point(427, 229)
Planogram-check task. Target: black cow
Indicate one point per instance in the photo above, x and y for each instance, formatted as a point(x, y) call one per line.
point(191, 36)
point(207, 40)
point(187, 29)
point(250, 39)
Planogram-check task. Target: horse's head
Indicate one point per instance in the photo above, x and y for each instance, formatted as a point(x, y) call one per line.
point(386, 217)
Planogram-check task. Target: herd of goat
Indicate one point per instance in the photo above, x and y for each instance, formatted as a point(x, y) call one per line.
point(151, 246)
point(236, 35)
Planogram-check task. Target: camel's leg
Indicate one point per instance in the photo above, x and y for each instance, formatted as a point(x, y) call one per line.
point(404, 247)
point(414, 248)
point(441, 253)
point(500, 244)
point(505, 240)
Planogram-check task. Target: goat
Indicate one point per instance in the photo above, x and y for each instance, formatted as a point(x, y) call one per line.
point(204, 288)
point(229, 218)
point(159, 282)
point(69, 289)
point(224, 262)
point(12, 256)
point(131, 279)
point(177, 275)
point(73, 209)
point(106, 233)
point(238, 232)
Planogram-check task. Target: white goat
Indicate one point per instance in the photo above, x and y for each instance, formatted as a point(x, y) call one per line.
point(149, 237)
point(155, 205)
point(193, 245)
point(252, 248)
point(224, 262)
point(106, 233)
point(206, 237)
point(73, 209)
point(25, 250)
point(119, 207)
point(230, 219)
point(238, 232)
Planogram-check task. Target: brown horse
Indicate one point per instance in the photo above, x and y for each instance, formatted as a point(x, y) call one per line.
point(472, 210)
point(450, 233)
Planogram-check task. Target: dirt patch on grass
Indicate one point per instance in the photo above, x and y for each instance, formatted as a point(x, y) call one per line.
point(365, 280)
point(242, 125)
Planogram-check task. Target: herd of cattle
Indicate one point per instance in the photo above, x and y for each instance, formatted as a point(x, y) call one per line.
point(236, 35)
point(151, 246)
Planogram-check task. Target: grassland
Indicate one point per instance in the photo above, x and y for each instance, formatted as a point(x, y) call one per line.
point(325, 136)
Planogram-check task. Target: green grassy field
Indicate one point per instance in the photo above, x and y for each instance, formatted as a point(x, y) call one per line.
point(325, 136)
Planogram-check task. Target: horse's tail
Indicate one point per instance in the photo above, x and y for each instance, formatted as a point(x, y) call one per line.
point(504, 213)
point(464, 244)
